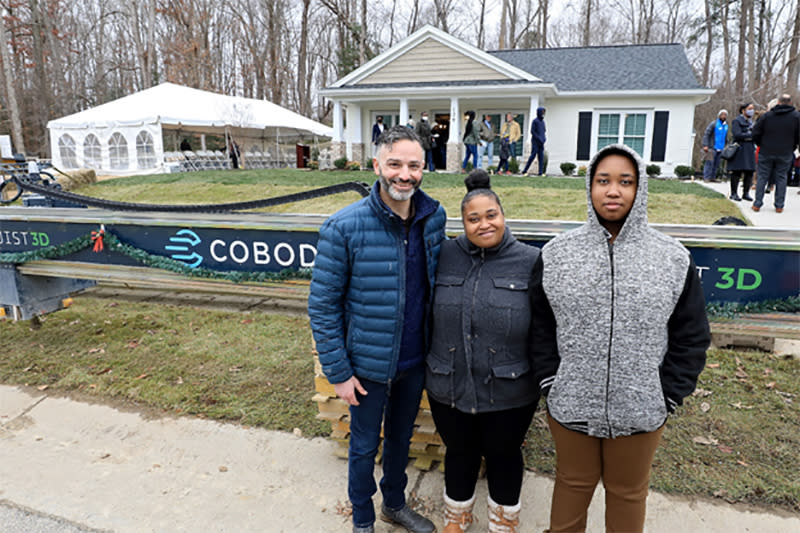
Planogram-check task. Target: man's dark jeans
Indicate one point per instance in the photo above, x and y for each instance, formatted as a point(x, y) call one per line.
point(397, 406)
point(710, 167)
point(772, 167)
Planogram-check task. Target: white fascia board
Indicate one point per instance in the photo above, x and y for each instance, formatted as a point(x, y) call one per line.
point(445, 38)
point(353, 94)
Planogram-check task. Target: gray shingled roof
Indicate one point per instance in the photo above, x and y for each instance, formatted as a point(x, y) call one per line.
point(607, 68)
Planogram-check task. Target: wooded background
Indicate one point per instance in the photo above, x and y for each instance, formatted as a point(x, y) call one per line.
point(63, 56)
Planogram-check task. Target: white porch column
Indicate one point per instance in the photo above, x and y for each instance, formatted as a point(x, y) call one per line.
point(454, 139)
point(203, 141)
point(338, 124)
point(355, 139)
point(455, 120)
point(403, 111)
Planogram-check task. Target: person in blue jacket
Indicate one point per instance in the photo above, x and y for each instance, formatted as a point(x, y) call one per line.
point(370, 295)
point(538, 139)
point(714, 139)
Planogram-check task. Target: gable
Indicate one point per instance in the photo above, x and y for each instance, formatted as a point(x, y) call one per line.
point(432, 61)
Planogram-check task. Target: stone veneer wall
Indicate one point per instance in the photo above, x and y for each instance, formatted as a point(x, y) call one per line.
point(358, 153)
point(454, 157)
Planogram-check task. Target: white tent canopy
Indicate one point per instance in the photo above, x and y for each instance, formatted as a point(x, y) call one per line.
point(127, 135)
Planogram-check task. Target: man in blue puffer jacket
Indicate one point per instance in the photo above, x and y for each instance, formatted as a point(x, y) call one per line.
point(370, 295)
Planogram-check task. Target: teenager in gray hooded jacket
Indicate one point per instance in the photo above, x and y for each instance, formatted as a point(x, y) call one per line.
point(619, 337)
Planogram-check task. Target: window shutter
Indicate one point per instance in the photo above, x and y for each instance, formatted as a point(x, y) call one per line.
point(584, 135)
point(659, 145)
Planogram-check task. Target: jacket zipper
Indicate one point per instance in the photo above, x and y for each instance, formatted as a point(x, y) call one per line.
point(610, 339)
point(474, 298)
point(401, 267)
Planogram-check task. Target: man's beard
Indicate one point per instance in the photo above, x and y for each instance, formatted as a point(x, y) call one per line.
point(393, 193)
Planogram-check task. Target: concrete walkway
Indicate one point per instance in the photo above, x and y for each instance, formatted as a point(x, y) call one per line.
point(81, 467)
point(767, 217)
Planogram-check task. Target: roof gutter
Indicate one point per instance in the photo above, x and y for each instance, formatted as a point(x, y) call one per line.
point(355, 94)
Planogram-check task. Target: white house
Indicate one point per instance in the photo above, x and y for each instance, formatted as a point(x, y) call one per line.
point(642, 95)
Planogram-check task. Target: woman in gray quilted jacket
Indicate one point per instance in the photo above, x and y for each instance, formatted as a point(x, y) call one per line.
point(619, 337)
point(479, 380)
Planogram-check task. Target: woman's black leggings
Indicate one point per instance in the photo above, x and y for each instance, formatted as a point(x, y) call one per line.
point(747, 181)
point(497, 436)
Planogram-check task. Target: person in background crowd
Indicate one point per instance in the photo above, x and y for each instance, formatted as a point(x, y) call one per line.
point(619, 335)
point(512, 131)
point(505, 153)
point(487, 135)
point(714, 139)
point(538, 138)
point(368, 308)
point(744, 162)
point(377, 129)
point(425, 135)
point(777, 133)
point(233, 153)
point(480, 386)
point(471, 138)
point(441, 135)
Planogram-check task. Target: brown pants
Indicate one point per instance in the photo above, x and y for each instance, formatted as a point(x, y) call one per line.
point(622, 463)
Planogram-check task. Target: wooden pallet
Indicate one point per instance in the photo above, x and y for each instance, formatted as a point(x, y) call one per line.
point(427, 448)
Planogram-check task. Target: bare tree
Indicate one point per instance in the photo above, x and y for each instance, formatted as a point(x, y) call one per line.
point(587, 22)
point(740, 49)
point(11, 92)
point(709, 41)
point(442, 12)
point(543, 16)
point(304, 98)
point(793, 61)
point(481, 18)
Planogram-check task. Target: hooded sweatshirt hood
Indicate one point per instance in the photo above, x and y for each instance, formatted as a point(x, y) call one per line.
point(637, 216)
point(540, 112)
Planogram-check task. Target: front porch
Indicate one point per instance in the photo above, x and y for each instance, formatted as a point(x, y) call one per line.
point(353, 121)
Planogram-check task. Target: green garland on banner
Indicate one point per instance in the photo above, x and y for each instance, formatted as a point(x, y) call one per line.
point(714, 309)
point(155, 261)
point(732, 309)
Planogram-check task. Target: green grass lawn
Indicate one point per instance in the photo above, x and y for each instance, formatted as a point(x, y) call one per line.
point(737, 440)
point(670, 202)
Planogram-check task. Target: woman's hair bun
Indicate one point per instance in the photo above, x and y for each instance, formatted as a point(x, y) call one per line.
point(477, 179)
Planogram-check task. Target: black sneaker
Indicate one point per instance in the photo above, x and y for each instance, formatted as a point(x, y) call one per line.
point(408, 518)
point(747, 197)
point(735, 197)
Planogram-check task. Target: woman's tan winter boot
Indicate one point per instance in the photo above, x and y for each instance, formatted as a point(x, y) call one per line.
point(457, 515)
point(503, 518)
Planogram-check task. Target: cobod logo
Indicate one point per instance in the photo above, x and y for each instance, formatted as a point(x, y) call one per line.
point(182, 241)
point(185, 243)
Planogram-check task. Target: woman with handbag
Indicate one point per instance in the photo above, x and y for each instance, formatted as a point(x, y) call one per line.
point(743, 163)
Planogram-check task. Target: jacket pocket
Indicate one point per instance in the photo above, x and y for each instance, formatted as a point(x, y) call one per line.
point(505, 384)
point(509, 292)
point(448, 290)
point(512, 370)
point(439, 379)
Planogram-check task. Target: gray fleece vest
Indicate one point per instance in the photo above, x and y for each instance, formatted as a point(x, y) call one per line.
point(612, 304)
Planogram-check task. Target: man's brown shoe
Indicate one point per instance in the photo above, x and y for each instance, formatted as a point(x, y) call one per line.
point(756, 209)
point(779, 210)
